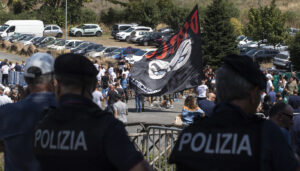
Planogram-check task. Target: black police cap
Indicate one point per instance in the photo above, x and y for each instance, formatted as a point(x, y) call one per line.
point(74, 65)
point(248, 69)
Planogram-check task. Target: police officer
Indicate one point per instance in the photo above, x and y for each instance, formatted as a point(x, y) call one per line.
point(78, 135)
point(234, 138)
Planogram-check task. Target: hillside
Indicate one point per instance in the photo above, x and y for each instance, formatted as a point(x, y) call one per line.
point(292, 7)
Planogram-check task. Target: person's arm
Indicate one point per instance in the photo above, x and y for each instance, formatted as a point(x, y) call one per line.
point(126, 111)
point(116, 113)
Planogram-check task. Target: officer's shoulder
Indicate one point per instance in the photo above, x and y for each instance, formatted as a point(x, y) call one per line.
point(270, 126)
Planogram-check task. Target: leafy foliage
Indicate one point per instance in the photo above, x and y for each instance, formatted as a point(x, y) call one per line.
point(294, 49)
point(147, 12)
point(266, 23)
point(218, 33)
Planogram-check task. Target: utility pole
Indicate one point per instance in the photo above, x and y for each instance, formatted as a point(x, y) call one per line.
point(66, 22)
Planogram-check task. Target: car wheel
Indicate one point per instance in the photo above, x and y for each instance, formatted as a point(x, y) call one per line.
point(78, 34)
point(145, 43)
point(127, 39)
point(98, 34)
point(59, 35)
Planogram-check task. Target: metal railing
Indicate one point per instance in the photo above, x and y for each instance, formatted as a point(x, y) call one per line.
point(155, 142)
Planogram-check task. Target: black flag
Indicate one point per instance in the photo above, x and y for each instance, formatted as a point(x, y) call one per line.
point(175, 66)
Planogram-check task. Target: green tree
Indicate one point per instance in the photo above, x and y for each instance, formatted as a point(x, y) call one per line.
point(218, 33)
point(294, 49)
point(144, 12)
point(266, 23)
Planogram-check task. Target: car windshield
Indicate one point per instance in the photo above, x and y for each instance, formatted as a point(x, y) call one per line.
point(118, 50)
point(140, 53)
point(81, 26)
point(240, 38)
point(129, 30)
point(41, 39)
point(77, 43)
point(100, 49)
point(4, 27)
point(28, 38)
point(251, 52)
point(60, 43)
point(282, 56)
point(83, 45)
point(94, 46)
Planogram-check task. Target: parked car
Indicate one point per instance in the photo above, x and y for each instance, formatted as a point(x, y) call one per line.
point(73, 44)
point(119, 28)
point(166, 30)
point(92, 48)
point(22, 37)
point(59, 45)
point(138, 55)
point(153, 38)
point(136, 35)
point(48, 43)
point(34, 27)
point(125, 35)
point(293, 31)
point(260, 54)
point(13, 36)
point(29, 40)
point(102, 52)
point(45, 41)
point(38, 40)
point(86, 30)
point(80, 49)
point(116, 54)
point(53, 30)
point(282, 59)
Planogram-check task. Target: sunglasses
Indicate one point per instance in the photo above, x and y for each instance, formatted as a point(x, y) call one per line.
point(288, 115)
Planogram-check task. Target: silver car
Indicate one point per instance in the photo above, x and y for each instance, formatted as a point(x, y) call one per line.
point(53, 30)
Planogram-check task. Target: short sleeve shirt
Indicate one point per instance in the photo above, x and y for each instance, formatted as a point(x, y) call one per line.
point(121, 109)
point(202, 91)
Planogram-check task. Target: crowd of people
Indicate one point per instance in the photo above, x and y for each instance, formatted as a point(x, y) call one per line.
point(87, 105)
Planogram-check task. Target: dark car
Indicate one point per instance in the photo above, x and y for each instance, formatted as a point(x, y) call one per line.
point(44, 41)
point(262, 54)
point(153, 38)
point(83, 49)
point(93, 47)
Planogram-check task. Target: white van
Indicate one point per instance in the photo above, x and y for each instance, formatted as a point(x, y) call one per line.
point(35, 27)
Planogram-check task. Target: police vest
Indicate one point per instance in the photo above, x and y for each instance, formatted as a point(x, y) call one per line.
point(214, 144)
point(71, 138)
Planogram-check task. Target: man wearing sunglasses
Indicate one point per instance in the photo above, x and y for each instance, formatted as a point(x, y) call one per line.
point(282, 115)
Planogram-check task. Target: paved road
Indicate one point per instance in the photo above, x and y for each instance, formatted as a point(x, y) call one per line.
point(152, 114)
point(11, 57)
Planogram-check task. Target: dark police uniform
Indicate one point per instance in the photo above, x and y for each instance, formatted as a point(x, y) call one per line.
point(78, 135)
point(233, 140)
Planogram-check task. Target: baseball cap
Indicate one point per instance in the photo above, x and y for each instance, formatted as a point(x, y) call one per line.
point(39, 64)
point(74, 65)
point(249, 70)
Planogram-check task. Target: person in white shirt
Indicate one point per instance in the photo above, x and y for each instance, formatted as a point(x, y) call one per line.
point(120, 109)
point(269, 83)
point(98, 98)
point(5, 71)
point(4, 99)
point(110, 70)
point(96, 65)
point(201, 91)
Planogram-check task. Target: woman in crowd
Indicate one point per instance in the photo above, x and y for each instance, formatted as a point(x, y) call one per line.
point(191, 111)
